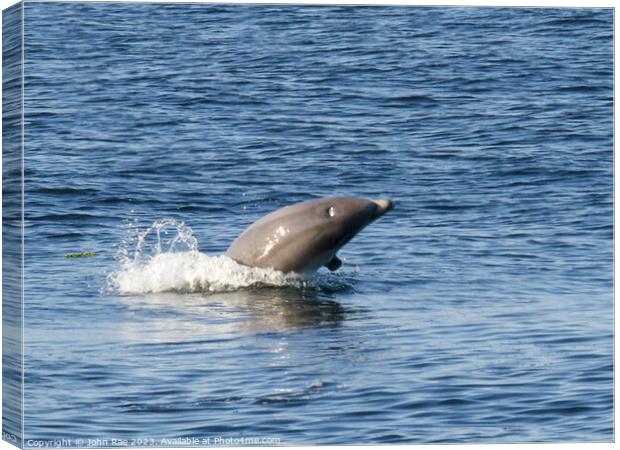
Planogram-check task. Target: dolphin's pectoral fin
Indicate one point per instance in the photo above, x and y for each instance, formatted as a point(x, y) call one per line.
point(333, 264)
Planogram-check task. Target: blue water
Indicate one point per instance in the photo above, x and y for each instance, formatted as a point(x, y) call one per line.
point(478, 310)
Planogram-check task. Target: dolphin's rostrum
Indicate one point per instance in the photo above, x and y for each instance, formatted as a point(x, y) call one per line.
point(305, 236)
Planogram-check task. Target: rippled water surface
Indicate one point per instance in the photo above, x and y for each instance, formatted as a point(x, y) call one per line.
point(478, 310)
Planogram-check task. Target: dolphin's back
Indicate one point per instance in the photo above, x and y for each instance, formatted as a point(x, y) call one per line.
point(275, 240)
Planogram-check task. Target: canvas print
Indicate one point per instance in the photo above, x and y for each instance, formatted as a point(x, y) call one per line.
point(284, 225)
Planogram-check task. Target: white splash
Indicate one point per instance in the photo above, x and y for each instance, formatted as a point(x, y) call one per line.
point(165, 257)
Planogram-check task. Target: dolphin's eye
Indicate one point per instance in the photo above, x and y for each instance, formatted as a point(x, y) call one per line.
point(331, 212)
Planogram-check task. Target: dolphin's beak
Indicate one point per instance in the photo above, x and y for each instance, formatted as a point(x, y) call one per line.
point(383, 206)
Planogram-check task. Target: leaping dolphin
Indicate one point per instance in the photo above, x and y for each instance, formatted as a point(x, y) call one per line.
point(305, 236)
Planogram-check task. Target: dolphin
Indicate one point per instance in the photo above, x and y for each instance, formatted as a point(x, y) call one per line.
point(305, 236)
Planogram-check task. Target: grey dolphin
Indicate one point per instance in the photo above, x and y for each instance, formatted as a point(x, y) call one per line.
point(305, 236)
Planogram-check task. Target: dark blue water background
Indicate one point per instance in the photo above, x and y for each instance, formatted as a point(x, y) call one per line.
point(479, 310)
